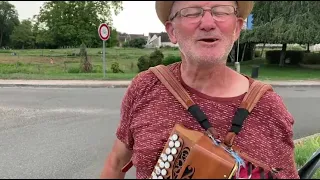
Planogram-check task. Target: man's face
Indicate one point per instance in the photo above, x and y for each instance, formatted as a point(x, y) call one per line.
point(205, 39)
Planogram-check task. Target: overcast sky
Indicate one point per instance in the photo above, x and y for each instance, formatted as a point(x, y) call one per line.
point(136, 18)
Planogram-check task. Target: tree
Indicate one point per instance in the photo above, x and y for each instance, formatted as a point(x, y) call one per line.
point(113, 40)
point(8, 19)
point(22, 36)
point(284, 22)
point(75, 22)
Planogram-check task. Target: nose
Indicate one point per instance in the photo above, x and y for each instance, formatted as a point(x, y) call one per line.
point(207, 22)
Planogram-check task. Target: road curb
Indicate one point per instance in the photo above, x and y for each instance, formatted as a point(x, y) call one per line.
point(126, 85)
point(66, 86)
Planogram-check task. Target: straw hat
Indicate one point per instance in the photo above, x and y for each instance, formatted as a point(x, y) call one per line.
point(163, 9)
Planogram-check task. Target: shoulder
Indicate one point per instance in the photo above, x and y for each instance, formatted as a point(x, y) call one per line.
point(146, 82)
point(272, 107)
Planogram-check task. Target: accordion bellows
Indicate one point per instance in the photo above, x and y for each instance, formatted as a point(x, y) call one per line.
point(190, 154)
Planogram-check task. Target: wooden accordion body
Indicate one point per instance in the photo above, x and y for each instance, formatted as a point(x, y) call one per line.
point(190, 154)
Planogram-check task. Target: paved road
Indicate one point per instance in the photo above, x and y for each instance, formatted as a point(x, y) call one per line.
point(66, 133)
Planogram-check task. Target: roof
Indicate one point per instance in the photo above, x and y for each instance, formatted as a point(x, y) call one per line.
point(164, 36)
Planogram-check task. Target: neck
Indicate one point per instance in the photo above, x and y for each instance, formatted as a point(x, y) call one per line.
point(214, 80)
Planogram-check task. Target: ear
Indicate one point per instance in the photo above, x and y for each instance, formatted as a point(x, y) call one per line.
point(238, 29)
point(170, 30)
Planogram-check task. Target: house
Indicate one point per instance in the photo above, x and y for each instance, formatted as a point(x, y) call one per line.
point(157, 40)
point(124, 37)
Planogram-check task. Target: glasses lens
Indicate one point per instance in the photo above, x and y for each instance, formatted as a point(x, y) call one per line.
point(192, 14)
point(222, 13)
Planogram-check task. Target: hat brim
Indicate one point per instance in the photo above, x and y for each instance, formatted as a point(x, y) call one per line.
point(163, 9)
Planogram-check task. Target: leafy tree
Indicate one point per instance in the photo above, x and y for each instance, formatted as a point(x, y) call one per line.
point(22, 36)
point(113, 40)
point(74, 22)
point(8, 19)
point(284, 22)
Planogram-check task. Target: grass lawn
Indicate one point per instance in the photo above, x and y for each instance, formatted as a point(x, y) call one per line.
point(304, 150)
point(35, 64)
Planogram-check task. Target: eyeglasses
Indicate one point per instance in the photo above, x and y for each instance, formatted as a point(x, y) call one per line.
point(194, 14)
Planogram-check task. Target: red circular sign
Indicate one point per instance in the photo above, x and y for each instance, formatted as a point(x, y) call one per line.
point(104, 32)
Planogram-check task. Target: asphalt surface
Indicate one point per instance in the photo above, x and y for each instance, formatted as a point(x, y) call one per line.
point(67, 132)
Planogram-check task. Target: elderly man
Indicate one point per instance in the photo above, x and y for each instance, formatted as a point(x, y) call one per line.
point(205, 32)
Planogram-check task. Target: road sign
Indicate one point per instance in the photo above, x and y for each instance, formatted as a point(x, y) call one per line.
point(104, 33)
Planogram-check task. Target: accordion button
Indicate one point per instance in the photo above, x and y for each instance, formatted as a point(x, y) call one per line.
point(161, 164)
point(173, 151)
point(168, 151)
point(158, 171)
point(167, 165)
point(177, 144)
point(153, 174)
point(154, 177)
point(163, 172)
point(175, 137)
point(170, 158)
point(165, 158)
point(160, 177)
point(171, 144)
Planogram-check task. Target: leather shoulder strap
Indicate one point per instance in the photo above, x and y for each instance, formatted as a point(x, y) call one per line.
point(178, 91)
point(256, 90)
point(170, 82)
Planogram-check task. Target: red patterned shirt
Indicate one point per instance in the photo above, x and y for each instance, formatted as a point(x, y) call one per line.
point(149, 112)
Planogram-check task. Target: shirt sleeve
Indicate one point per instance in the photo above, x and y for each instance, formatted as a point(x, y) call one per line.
point(124, 132)
point(284, 157)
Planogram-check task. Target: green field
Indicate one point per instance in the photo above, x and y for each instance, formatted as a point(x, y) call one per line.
point(35, 64)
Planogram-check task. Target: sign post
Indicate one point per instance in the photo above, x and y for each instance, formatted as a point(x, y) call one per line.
point(104, 34)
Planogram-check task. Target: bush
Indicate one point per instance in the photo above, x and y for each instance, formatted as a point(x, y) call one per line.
point(154, 59)
point(73, 70)
point(143, 63)
point(85, 65)
point(171, 59)
point(115, 67)
point(257, 53)
point(311, 58)
point(295, 57)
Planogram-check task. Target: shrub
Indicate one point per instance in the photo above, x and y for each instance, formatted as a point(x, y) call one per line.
point(156, 58)
point(257, 53)
point(85, 64)
point(171, 59)
point(311, 58)
point(115, 67)
point(143, 63)
point(295, 57)
point(73, 70)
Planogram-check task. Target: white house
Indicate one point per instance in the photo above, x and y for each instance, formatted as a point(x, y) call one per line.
point(157, 40)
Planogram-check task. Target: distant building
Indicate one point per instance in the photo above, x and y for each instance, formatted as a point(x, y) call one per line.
point(157, 40)
point(124, 37)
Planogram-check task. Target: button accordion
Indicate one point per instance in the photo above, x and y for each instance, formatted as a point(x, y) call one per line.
point(190, 154)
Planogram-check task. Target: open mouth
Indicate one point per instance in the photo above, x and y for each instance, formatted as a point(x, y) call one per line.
point(208, 40)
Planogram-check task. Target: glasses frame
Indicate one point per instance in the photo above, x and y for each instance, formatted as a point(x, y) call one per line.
point(203, 11)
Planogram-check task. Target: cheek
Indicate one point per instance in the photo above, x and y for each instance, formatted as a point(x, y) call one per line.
point(227, 29)
point(185, 32)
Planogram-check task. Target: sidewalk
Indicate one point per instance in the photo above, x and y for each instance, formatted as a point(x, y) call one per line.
point(121, 84)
